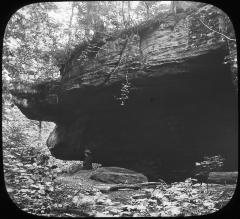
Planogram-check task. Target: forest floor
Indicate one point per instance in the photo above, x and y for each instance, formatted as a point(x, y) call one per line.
point(175, 199)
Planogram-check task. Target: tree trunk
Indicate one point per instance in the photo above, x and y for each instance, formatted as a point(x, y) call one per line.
point(173, 8)
point(147, 8)
point(70, 29)
point(123, 15)
point(129, 9)
point(89, 19)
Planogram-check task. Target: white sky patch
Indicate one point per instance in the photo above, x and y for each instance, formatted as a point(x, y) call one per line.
point(134, 4)
point(63, 13)
point(166, 2)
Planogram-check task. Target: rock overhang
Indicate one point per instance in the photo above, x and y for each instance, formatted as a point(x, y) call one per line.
point(177, 78)
point(161, 109)
point(52, 103)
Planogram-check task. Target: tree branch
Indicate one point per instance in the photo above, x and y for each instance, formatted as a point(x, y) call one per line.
point(119, 62)
point(216, 31)
point(135, 186)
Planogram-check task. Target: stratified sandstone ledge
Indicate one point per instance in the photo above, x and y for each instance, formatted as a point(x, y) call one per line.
point(181, 100)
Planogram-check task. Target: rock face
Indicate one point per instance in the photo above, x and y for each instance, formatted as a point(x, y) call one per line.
point(154, 98)
point(223, 177)
point(117, 175)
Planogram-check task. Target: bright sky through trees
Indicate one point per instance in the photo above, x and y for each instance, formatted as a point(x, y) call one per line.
point(37, 31)
point(64, 10)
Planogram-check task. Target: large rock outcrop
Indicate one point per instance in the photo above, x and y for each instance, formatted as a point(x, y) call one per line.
point(117, 175)
point(154, 97)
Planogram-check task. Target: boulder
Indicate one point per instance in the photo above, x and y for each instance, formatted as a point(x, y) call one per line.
point(223, 177)
point(117, 175)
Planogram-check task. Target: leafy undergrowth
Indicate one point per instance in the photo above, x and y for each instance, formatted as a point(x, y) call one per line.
point(30, 178)
point(29, 169)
